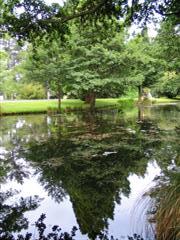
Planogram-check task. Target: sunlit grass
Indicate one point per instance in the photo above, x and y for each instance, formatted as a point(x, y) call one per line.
point(42, 106)
point(165, 100)
point(37, 106)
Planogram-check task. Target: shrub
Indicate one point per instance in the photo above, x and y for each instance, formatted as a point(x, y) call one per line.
point(31, 91)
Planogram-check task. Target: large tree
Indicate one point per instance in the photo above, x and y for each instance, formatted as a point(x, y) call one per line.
point(97, 65)
point(28, 19)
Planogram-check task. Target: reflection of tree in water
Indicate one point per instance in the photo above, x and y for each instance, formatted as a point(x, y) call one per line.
point(12, 167)
point(12, 215)
point(94, 172)
point(93, 166)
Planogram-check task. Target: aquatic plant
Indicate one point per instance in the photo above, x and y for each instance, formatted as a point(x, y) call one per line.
point(165, 207)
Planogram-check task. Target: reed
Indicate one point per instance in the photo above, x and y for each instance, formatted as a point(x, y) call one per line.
point(165, 209)
point(168, 215)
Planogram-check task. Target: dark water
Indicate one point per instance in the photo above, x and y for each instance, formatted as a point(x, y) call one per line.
point(87, 170)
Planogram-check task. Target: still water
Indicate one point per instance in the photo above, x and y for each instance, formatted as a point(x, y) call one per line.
point(85, 170)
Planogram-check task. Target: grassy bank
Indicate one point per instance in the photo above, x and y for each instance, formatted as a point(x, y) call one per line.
point(43, 106)
point(37, 106)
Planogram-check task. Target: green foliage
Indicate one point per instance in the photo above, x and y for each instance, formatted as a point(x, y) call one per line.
point(39, 19)
point(143, 65)
point(97, 66)
point(9, 87)
point(131, 92)
point(4, 70)
point(166, 49)
point(31, 91)
point(168, 85)
point(97, 59)
point(47, 65)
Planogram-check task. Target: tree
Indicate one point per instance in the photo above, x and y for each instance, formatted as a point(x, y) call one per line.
point(88, 65)
point(38, 19)
point(47, 65)
point(143, 65)
point(3, 64)
point(97, 63)
point(167, 51)
point(9, 59)
point(8, 84)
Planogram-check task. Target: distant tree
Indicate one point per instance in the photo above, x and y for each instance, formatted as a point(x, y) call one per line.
point(47, 65)
point(3, 64)
point(143, 65)
point(8, 84)
point(167, 50)
point(9, 59)
point(168, 85)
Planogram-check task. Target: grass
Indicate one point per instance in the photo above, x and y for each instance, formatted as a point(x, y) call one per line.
point(165, 100)
point(43, 106)
point(37, 106)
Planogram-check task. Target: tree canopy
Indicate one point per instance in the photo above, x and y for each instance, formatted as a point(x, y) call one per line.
point(28, 19)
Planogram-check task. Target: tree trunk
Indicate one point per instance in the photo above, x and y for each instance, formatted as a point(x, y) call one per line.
point(91, 99)
point(47, 91)
point(139, 93)
point(59, 100)
point(140, 113)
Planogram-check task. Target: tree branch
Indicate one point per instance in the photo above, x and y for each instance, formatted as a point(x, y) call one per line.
point(75, 15)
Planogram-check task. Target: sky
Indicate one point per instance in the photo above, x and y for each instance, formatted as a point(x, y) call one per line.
point(54, 1)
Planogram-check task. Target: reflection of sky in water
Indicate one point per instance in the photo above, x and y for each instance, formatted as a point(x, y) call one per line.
point(125, 218)
point(56, 214)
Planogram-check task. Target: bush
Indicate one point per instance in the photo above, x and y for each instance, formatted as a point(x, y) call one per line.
point(31, 91)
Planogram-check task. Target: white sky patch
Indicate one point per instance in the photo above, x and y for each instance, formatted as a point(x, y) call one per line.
point(152, 30)
point(61, 2)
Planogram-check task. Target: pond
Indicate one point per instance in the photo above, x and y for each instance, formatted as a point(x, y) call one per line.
point(88, 170)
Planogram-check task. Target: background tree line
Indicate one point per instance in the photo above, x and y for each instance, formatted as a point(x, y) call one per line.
point(90, 57)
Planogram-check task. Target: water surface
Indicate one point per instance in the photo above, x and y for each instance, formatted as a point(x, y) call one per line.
point(85, 170)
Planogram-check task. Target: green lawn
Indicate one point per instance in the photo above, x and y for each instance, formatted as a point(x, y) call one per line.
point(37, 106)
point(40, 106)
point(166, 100)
